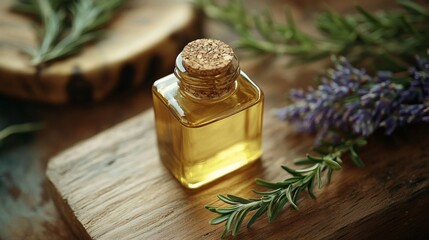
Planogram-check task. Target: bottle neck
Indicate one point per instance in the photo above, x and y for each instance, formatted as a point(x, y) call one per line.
point(207, 88)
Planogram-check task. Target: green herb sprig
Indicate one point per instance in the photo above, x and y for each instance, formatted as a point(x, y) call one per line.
point(388, 37)
point(272, 202)
point(66, 26)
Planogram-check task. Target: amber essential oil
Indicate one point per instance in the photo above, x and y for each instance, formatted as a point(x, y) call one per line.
point(208, 114)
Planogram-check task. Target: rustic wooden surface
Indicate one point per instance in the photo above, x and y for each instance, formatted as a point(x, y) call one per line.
point(27, 211)
point(113, 186)
point(144, 37)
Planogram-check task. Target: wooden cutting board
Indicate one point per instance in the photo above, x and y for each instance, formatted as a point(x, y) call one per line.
point(113, 186)
point(141, 43)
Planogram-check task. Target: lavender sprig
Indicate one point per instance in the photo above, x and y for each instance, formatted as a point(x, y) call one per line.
point(349, 100)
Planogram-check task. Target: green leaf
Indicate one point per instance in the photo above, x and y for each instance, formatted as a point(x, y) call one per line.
point(267, 184)
point(239, 220)
point(291, 22)
point(210, 208)
point(266, 193)
point(303, 162)
point(257, 214)
point(19, 128)
point(263, 24)
point(307, 178)
point(409, 26)
point(294, 172)
point(224, 210)
point(318, 178)
point(229, 223)
point(360, 142)
point(279, 206)
point(371, 18)
point(329, 175)
point(414, 7)
point(220, 219)
point(320, 151)
point(289, 181)
point(309, 169)
point(291, 171)
point(226, 199)
point(270, 209)
point(331, 163)
point(310, 188)
point(238, 199)
point(279, 185)
point(297, 191)
point(356, 159)
point(289, 198)
point(315, 159)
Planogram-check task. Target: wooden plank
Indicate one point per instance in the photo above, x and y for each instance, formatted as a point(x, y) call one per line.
point(113, 186)
point(141, 43)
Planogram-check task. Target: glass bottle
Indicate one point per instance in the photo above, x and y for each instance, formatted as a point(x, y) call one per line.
point(208, 114)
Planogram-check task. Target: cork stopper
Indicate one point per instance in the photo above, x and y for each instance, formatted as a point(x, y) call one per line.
point(207, 57)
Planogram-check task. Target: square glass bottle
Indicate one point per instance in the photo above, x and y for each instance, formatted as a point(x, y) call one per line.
point(208, 114)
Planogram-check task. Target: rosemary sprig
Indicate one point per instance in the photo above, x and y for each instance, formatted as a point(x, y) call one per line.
point(66, 26)
point(390, 38)
point(272, 202)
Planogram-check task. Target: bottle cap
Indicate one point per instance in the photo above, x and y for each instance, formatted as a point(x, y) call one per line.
point(207, 57)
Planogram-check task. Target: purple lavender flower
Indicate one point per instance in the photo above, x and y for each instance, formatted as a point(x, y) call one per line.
point(348, 100)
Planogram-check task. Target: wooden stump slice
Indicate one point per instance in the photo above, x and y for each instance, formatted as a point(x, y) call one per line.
point(141, 43)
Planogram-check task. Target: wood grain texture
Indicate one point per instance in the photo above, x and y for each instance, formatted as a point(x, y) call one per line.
point(113, 186)
point(27, 210)
point(142, 41)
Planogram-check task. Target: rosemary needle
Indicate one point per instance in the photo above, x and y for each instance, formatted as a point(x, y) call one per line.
point(19, 128)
